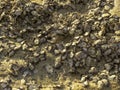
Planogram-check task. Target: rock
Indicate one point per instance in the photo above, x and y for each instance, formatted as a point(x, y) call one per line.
point(95, 79)
point(101, 32)
point(25, 73)
point(23, 81)
point(36, 54)
point(105, 82)
point(108, 67)
point(18, 46)
point(117, 38)
point(107, 52)
point(56, 52)
point(85, 83)
point(11, 53)
point(117, 61)
point(112, 77)
point(15, 67)
point(58, 62)
point(93, 70)
point(106, 7)
point(18, 12)
point(34, 13)
point(32, 67)
point(117, 32)
point(100, 84)
point(83, 78)
point(105, 15)
point(36, 41)
point(49, 69)
point(71, 54)
point(24, 46)
point(4, 84)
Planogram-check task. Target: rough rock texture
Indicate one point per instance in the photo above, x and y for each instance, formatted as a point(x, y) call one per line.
point(59, 45)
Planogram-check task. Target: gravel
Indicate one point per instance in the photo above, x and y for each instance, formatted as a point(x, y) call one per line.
point(59, 40)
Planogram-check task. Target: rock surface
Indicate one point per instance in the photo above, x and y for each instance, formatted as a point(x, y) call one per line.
point(59, 44)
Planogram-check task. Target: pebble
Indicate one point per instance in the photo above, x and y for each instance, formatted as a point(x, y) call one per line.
point(4, 84)
point(24, 46)
point(112, 77)
point(105, 82)
point(83, 79)
point(107, 67)
point(23, 81)
point(18, 12)
point(107, 52)
point(92, 70)
point(95, 79)
point(36, 41)
point(100, 84)
point(49, 69)
point(105, 15)
point(106, 7)
point(36, 54)
point(85, 83)
point(117, 32)
point(56, 52)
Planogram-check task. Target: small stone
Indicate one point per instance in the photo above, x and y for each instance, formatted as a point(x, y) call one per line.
point(92, 70)
point(85, 84)
point(18, 12)
point(97, 42)
point(105, 82)
point(117, 61)
point(18, 46)
point(83, 79)
point(11, 53)
point(105, 15)
point(117, 38)
point(49, 68)
point(26, 73)
point(117, 32)
point(106, 7)
point(36, 41)
point(112, 77)
point(86, 33)
point(31, 66)
point(24, 46)
point(22, 81)
point(34, 13)
point(57, 62)
point(100, 84)
point(15, 67)
point(95, 79)
point(36, 54)
point(4, 84)
point(101, 32)
point(107, 52)
point(56, 52)
point(71, 54)
point(19, 40)
point(76, 21)
point(107, 66)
